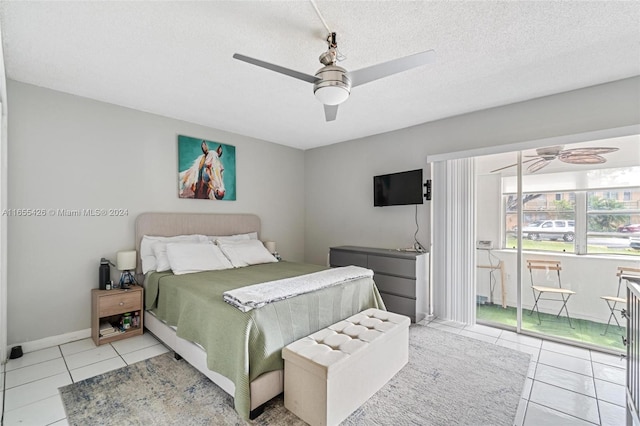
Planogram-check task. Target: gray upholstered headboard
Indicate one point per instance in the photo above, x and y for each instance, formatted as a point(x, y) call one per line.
point(170, 224)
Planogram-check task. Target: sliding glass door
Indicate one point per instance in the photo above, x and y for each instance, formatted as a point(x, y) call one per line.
point(566, 224)
point(496, 292)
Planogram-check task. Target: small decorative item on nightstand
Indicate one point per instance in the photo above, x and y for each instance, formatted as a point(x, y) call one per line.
point(135, 321)
point(126, 321)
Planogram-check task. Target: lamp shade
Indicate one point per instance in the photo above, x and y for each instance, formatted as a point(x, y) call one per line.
point(332, 95)
point(126, 260)
point(271, 246)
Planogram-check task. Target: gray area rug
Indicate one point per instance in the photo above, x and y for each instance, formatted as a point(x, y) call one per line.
point(450, 380)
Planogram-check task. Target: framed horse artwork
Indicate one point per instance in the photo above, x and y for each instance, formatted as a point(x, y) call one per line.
point(206, 169)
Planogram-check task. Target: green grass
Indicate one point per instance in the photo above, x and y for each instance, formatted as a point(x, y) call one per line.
point(542, 245)
point(562, 246)
point(584, 331)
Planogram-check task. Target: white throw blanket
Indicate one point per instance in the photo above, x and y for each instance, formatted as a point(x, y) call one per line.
point(258, 295)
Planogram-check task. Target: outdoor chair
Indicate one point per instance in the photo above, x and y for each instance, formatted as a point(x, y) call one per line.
point(551, 269)
point(614, 301)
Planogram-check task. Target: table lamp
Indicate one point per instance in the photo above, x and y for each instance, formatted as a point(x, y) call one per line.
point(126, 262)
point(271, 247)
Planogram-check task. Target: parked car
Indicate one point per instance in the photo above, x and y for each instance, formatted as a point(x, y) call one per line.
point(550, 230)
point(635, 227)
point(634, 243)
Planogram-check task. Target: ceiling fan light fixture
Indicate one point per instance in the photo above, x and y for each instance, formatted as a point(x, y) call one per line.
point(332, 95)
point(334, 85)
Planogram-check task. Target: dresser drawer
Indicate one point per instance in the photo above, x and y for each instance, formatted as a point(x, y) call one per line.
point(400, 305)
point(344, 258)
point(393, 266)
point(118, 303)
point(396, 285)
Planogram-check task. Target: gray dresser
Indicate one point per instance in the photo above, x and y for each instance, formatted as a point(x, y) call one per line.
point(402, 277)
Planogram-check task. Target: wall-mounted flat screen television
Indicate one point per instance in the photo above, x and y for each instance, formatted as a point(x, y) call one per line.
point(397, 189)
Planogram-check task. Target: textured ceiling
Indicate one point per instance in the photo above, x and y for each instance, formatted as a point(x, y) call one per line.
point(175, 58)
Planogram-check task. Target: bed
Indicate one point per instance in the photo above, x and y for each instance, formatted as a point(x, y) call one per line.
point(239, 351)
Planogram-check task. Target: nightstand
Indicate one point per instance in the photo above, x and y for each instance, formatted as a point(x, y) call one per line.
point(110, 306)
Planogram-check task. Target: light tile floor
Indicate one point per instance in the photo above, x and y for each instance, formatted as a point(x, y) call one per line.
point(565, 385)
point(30, 393)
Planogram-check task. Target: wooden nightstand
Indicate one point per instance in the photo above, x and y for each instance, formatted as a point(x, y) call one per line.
point(110, 306)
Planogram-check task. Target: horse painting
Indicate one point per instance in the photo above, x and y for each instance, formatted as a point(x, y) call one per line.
point(204, 176)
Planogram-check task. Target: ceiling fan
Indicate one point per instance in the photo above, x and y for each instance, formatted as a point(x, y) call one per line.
point(573, 156)
point(332, 84)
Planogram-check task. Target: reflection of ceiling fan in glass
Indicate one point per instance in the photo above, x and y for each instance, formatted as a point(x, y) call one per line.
point(573, 156)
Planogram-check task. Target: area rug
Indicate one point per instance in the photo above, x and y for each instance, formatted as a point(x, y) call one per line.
point(449, 380)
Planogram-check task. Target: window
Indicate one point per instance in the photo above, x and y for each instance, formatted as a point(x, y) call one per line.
point(612, 226)
point(549, 221)
point(610, 223)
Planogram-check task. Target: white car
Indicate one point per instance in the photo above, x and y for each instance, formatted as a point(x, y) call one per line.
point(634, 243)
point(550, 230)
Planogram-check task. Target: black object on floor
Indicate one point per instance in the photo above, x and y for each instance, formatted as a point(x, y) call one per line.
point(16, 352)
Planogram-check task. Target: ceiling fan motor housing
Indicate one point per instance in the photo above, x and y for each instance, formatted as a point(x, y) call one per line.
point(334, 85)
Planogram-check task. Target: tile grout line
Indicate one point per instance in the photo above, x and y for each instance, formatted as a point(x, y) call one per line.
point(65, 365)
point(120, 355)
point(566, 414)
point(595, 388)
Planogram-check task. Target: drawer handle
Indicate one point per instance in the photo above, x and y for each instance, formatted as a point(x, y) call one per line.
point(121, 303)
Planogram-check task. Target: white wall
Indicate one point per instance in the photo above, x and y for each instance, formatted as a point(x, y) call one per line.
point(70, 152)
point(338, 178)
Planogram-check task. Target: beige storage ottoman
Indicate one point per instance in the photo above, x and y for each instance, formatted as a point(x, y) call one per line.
point(332, 372)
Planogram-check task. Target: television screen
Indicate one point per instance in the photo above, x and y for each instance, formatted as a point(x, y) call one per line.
point(398, 189)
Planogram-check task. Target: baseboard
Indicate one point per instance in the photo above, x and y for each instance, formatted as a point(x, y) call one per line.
point(48, 342)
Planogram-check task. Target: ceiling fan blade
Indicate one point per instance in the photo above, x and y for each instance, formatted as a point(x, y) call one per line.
point(588, 151)
point(582, 159)
point(330, 112)
point(512, 165)
point(502, 168)
point(538, 165)
point(277, 68)
point(385, 69)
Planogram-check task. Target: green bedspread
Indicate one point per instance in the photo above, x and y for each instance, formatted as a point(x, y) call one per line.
point(242, 346)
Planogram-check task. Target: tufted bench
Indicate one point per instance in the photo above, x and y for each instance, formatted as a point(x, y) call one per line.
point(330, 373)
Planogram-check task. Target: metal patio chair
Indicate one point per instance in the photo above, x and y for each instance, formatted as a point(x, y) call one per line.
point(550, 267)
point(614, 301)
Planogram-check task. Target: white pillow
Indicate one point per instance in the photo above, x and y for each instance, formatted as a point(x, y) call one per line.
point(147, 255)
point(160, 252)
point(246, 252)
point(236, 237)
point(187, 258)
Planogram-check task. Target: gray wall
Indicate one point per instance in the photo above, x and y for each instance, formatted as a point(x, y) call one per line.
point(338, 178)
point(73, 153)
